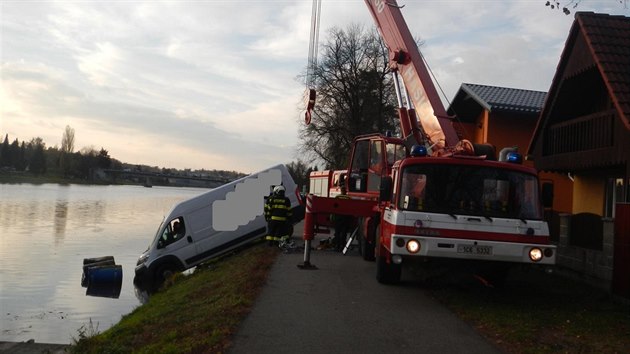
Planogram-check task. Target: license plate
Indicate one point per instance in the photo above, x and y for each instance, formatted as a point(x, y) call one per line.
point(471, 249)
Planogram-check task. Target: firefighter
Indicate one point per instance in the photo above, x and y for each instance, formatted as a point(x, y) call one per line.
point(278, 215)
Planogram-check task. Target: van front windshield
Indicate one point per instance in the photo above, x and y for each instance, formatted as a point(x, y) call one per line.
point(469, 190)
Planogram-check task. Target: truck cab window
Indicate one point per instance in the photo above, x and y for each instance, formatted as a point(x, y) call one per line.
point(412, 190)
point(359, 168)
point(173, 232)
point(395, 152)
point(376, 167)
point(468, 190)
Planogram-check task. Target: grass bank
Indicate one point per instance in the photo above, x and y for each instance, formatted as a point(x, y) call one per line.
point(543, 313)
point(533, 313)
point(193, 314)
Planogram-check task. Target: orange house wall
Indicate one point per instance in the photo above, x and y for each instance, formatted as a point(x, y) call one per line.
point(507, 131)
point(591, 192)
point(562, 190)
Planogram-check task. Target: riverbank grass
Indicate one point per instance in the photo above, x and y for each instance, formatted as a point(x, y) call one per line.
point(192, 314)
point(533, 313)
point(542, 313)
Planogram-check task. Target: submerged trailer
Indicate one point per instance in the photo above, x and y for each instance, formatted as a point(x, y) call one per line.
point(213, 223)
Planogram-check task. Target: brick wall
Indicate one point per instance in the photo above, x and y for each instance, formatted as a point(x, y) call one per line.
point(595, 266)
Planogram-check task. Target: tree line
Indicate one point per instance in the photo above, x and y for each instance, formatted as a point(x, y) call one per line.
point(35, 158)
point(355, 96)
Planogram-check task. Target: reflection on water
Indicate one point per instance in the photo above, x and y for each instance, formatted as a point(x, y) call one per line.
point(61, 214)
point(47, 231)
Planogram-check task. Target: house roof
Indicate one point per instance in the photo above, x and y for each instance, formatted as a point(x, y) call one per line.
point(608, 41)
point(471, 99)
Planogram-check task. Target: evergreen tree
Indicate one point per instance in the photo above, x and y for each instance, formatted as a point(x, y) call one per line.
point(22, 158)
point(5, 159)
point(37, 164)
point(14, 154)
point(103, 160)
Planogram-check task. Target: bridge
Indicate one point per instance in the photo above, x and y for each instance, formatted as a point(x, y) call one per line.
point(171, 179)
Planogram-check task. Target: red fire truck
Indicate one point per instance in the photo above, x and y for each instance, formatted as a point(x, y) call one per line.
point(427, 197)
point(326, 183)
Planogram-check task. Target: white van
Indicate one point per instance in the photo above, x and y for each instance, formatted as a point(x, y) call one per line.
point(213, 223)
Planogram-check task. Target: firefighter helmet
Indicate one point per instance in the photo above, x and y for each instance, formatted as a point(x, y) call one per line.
point(278, 190)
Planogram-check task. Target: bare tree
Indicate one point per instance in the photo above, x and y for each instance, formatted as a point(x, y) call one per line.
point(67, 140)
point(573, 4)
point(67, 146)
point(300, 173)
point(355, 95)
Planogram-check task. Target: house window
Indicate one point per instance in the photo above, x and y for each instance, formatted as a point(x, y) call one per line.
point(616, 192)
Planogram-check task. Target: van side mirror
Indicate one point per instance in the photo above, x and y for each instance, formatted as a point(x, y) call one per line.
point(385, 189)
point(547, 194)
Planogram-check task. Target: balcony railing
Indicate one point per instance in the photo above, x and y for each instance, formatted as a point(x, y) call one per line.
point(589, 132)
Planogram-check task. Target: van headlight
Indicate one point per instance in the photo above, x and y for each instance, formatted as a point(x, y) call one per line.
point(142, 259)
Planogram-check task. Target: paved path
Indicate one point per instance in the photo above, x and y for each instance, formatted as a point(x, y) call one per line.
point(341, 308)
point(30, 347)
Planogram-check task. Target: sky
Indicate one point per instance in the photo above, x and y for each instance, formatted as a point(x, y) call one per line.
point(209, 84)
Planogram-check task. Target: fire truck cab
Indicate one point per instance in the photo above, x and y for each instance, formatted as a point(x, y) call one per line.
point(460, 208)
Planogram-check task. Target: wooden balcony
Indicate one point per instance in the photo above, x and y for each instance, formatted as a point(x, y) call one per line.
point(591, 132)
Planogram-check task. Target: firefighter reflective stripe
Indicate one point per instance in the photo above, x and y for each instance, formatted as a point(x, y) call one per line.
point(278, 208)
point(276, 238)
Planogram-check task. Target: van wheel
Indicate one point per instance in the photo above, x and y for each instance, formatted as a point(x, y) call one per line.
point(164, 272)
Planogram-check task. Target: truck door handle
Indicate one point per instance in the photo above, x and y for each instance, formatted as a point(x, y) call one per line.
point(474, 219)
point(189, 239)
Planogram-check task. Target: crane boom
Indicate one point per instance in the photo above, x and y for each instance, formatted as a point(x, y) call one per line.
point(405, 57)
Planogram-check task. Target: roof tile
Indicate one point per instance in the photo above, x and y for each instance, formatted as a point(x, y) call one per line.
point(609, 38)
point(509, 99)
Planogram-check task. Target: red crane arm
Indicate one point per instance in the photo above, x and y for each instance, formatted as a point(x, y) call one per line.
point(405, 57)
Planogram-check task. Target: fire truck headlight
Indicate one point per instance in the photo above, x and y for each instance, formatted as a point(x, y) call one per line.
point(413, 246)
point(535, 254)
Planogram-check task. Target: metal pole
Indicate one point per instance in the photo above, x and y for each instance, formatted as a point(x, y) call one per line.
point(308, 234)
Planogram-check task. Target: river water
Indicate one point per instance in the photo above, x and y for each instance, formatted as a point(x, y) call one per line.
point(47, 230)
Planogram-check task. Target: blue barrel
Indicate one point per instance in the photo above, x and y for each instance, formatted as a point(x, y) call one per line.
point(98, 259)
point(102, 277)
point(104, 274)
point(111, 290)
point(107, 262)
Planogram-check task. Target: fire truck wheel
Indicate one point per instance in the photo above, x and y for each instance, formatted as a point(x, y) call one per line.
point(387, 273)
point(365, 247)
